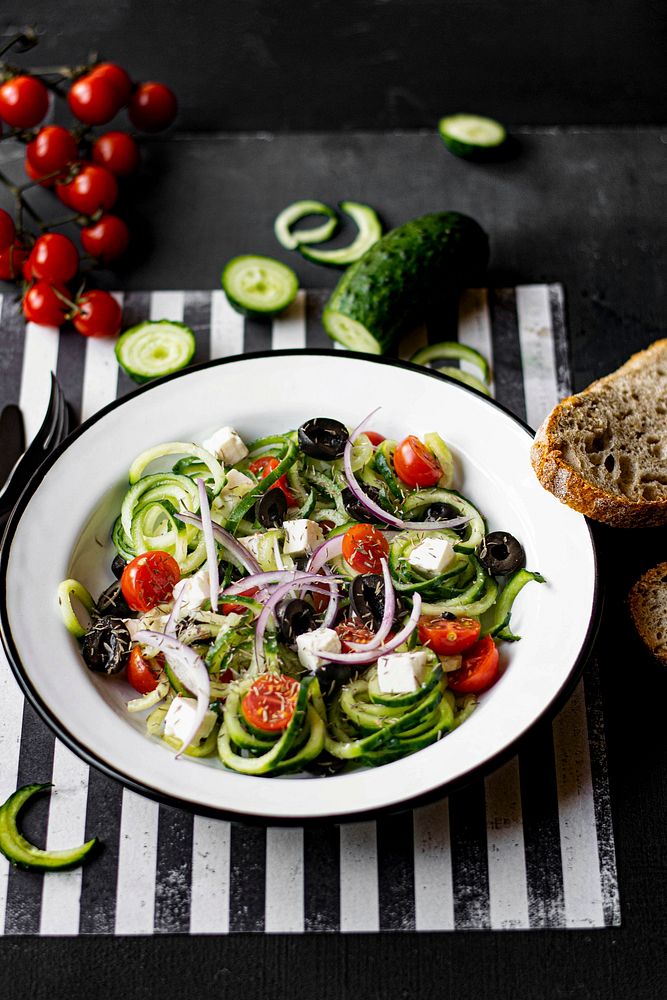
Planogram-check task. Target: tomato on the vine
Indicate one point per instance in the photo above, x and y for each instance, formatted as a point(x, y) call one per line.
point(353, 630)
point(54, 258)
point(149, 579)
point(152, 107)
point(12, 259)
point(270, 703)
point(93, 99)
point(24, 100)
point(478, 670)
point(117, 76)
point(118, 152)
point(93, 188)
point(97, 315)
point(7, 229)
point(446, 636)
point(39, 176)
point(263, 466)
point(415, 464)
point(364, 546)
point(46, 304)
point(107, 238)
point(51, 150)
point(143, 671)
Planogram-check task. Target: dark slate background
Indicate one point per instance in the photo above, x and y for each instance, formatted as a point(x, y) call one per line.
point(373, 64)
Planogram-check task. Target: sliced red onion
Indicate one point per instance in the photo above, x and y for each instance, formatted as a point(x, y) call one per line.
point(170, 627)
point(329, 549)
point(266, 579)
point(227, 541)
point(277, 554)
point(209, 542)
point(373, 654)
point(309, 581)
point(388, 613)
point(379, 512)
point(334, 602)
point(190, 670)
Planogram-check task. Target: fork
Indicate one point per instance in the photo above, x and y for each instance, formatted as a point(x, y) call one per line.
point(54, 429)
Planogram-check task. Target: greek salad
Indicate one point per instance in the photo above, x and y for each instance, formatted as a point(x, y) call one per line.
point(313, 600)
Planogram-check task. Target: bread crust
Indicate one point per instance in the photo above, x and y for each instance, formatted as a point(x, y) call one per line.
point(568, 485)
point(651, 587)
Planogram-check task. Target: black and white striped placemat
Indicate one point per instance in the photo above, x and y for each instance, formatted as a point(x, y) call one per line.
point(529, 846)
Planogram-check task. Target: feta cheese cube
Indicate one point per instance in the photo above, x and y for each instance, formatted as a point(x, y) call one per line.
point(432, 556)
point(301, 537)
point(320, 641)
point(180, 718)
point(226, 445)
point(400, 673)
point(237, 483)
point(196, 589)
point(251, 543)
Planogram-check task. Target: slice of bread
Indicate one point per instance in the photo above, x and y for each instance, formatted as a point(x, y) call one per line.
point(648, 606)
point(604, 451)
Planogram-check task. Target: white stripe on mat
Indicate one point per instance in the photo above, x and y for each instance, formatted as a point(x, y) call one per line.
point(226, 327)
point(209, 900)
point(537, 351)
point(40, 358)
point(474, 328)
point(359, 895)
point(284, 906)
point(11, 719)
point(289, 329)
point(508, 892)
point(434, 889)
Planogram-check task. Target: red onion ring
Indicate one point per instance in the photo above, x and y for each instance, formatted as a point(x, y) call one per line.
point(209, 542)
point(227, 541)
point(326, 550)
point(373, 654)
point(268, 578)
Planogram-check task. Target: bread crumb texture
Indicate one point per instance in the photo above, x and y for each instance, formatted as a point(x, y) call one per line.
point(604, 451)
point(648, 608)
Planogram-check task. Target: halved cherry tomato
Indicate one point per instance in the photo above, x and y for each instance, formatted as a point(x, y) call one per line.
point(479, 669)
point(269, 704)
point(374, 438)
point(415, 464)
point(448, 637)
point(238, 609)
point(353, 630)
point(149, 579)
point(143, 671)
point(363, 548)
point(263, 466)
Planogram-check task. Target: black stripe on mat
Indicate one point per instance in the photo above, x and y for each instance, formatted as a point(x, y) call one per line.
point(24, 889)
point(136, 309)
point(173, 877)
point(321, 890)
point(507, 367)
point(257, 334)
point(70, 368)
point(470, 873)
point(197, 315)
point(12, 324)
point(247, 878)
point(98, 886)
point(396, 872)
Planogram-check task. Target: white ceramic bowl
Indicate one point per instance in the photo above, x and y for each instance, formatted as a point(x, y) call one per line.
point(61, 529)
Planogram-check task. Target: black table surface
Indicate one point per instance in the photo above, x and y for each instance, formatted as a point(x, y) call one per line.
point(582, 206)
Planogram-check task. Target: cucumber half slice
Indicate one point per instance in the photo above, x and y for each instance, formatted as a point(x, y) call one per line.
point(370, 231)
point(157, 348)
point(471, 135)
point(291, 238)
point(259, 286)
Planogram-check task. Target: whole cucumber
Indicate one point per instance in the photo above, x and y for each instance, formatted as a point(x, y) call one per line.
point(390, 289)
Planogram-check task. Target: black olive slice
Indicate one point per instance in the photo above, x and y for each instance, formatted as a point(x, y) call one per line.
point(111, 602)
point(500, 553)
point(356, 509)
point(294, 618)
point(444, 512)
point(117, 566)
point(106, 646)
point(367, 599)
point(323, 437)
point(271, 508)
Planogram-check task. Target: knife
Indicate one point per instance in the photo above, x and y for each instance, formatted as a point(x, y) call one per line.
point(12, 440)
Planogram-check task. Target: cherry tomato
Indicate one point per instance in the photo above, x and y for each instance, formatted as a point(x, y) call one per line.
point(93, 99)
point(117, 76)
point(143, 671)
point(152, 107)
point(107, 238)
point(98, 315)
point(26, 270)
point(149, 579)
point(38, 175)
point(448, 637)
point(479, 669)
point(269, 704)
point(415, 464)
point(239, 609)
point(353, 630)
point(92, 188)
point(51, 150)
point(118, 152)
point(12, 259)
point(24, 101)
point(46, 304)
point(374, 438)
point(54, 258)
point(7, 229)
point(263, 466)
point(363, 548)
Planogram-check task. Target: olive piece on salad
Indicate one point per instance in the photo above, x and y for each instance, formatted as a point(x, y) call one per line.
point(367, 599)
point(356, 509)
point(106, 646)
point(271, 508)
point(112, 602)
point(323, 437)
point(500, 553)
point(443, 512)
point(294, 618)
point(117, 566)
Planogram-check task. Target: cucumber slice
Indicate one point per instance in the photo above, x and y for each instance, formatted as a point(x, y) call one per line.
point(155, 348)
point(290, 238)
point(66, 590)
point(20, 851)
point(452, 349)
point(471, 135)
point(259, 286)
point(370, 231)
